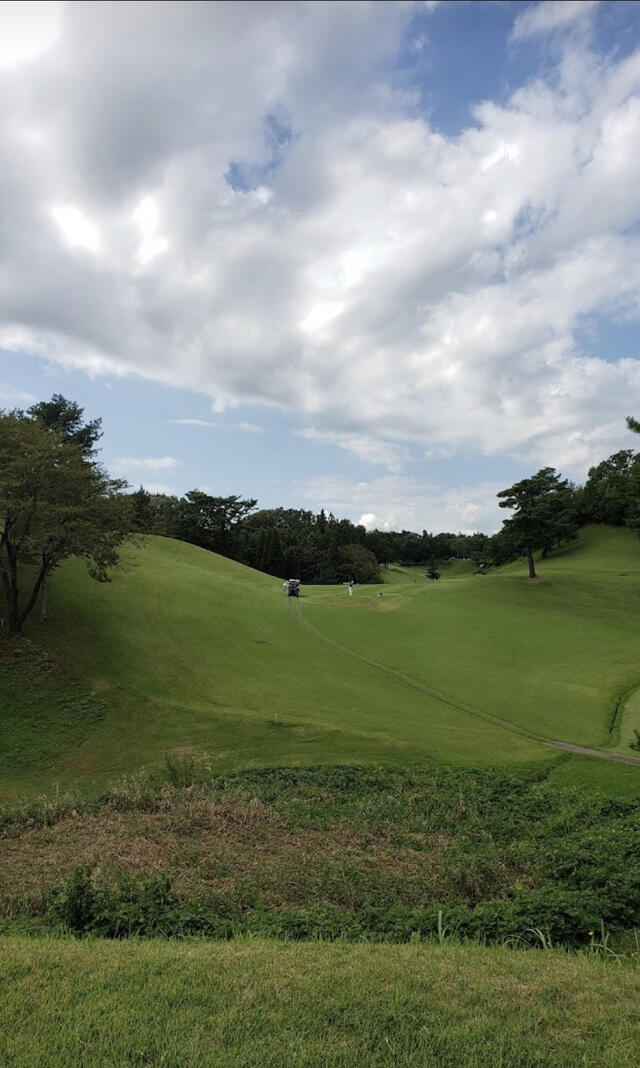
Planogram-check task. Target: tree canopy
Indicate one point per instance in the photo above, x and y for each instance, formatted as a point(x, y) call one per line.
point(54, 503)
point(544, 513)
point(65, 417)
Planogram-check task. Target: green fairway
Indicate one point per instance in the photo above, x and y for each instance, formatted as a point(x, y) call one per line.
point(267, 1005)
point(554, 656)
point(187, 649)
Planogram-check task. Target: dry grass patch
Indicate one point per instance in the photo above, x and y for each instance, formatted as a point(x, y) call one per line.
point(242, 849)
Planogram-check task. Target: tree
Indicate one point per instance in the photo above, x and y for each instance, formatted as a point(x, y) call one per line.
point(209, 521)
point(544, 513)
point(65, 417)
point(54, 503)
point(612, 490)
point(433, 573)
point(141, 511)
point(633, 424)
point(357, 563)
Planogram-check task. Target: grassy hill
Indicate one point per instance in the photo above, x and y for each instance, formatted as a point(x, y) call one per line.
point(553, 656)
point(187, 649)
point(193, 655)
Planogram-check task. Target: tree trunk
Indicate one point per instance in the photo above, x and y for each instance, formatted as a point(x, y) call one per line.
point(532, 570)
point(11, 596)
point(43, 601)
point(15, 623)
point(42, 574)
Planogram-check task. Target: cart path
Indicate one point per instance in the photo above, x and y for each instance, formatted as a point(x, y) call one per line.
point(300, 619)
point(596, 753)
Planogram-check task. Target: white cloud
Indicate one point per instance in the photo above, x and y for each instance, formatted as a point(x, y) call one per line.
point(193, 422)
point(146, 217)
point(397, 287)
point(371, 450)
point(150, 463)
point(15, 398)
point(404, 503)
point(76, 229)
point(550, 15)
point(27, 28)
point(249, 428)
point(159, 487)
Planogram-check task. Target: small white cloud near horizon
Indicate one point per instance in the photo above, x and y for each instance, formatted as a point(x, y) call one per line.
point(148, 463)
point(407, 503)
point(159, 487)
point(193, 422)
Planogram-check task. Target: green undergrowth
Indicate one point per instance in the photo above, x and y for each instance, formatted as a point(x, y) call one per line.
point(362, 854)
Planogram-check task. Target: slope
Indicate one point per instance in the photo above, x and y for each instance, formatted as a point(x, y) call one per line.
point(185, 648)
point(555, 656)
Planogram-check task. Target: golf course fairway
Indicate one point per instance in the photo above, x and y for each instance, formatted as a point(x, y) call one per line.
point(187, 649)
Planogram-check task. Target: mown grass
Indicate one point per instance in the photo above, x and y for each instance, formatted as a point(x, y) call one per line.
point(184, 648)
point(311, 1006)
point(553, 656)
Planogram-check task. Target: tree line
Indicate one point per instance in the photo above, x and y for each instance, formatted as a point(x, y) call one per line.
point(293, 542)
point(57, 501)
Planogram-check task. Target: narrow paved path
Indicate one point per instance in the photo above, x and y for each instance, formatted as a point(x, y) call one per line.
point(595, 752)
point(452, 702)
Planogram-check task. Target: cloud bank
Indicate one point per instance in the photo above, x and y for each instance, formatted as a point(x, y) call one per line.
point(245, 200)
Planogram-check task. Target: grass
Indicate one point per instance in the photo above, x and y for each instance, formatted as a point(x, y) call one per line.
point(617, 781)
point(553, 656)
point(265, 1004)
point(339, 852)
point(185, 648)
point(187, 654)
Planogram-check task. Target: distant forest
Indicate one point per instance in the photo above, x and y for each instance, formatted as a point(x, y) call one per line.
point(57, 501)
point(319, 548)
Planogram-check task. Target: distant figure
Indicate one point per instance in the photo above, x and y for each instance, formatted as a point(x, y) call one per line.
point(350, 588)
point(285, 588)
point(380, 593)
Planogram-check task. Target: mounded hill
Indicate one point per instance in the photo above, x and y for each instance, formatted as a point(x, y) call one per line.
point(188, 649)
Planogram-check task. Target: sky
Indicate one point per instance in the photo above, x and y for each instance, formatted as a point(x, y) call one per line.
point(381, 258)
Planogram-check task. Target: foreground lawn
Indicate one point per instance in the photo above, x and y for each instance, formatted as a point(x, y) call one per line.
point(94, 1004)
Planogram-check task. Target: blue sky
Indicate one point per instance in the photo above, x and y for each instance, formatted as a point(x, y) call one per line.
point(379, 258)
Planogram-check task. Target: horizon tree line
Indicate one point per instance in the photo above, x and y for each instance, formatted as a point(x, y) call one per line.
point(57, 501)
